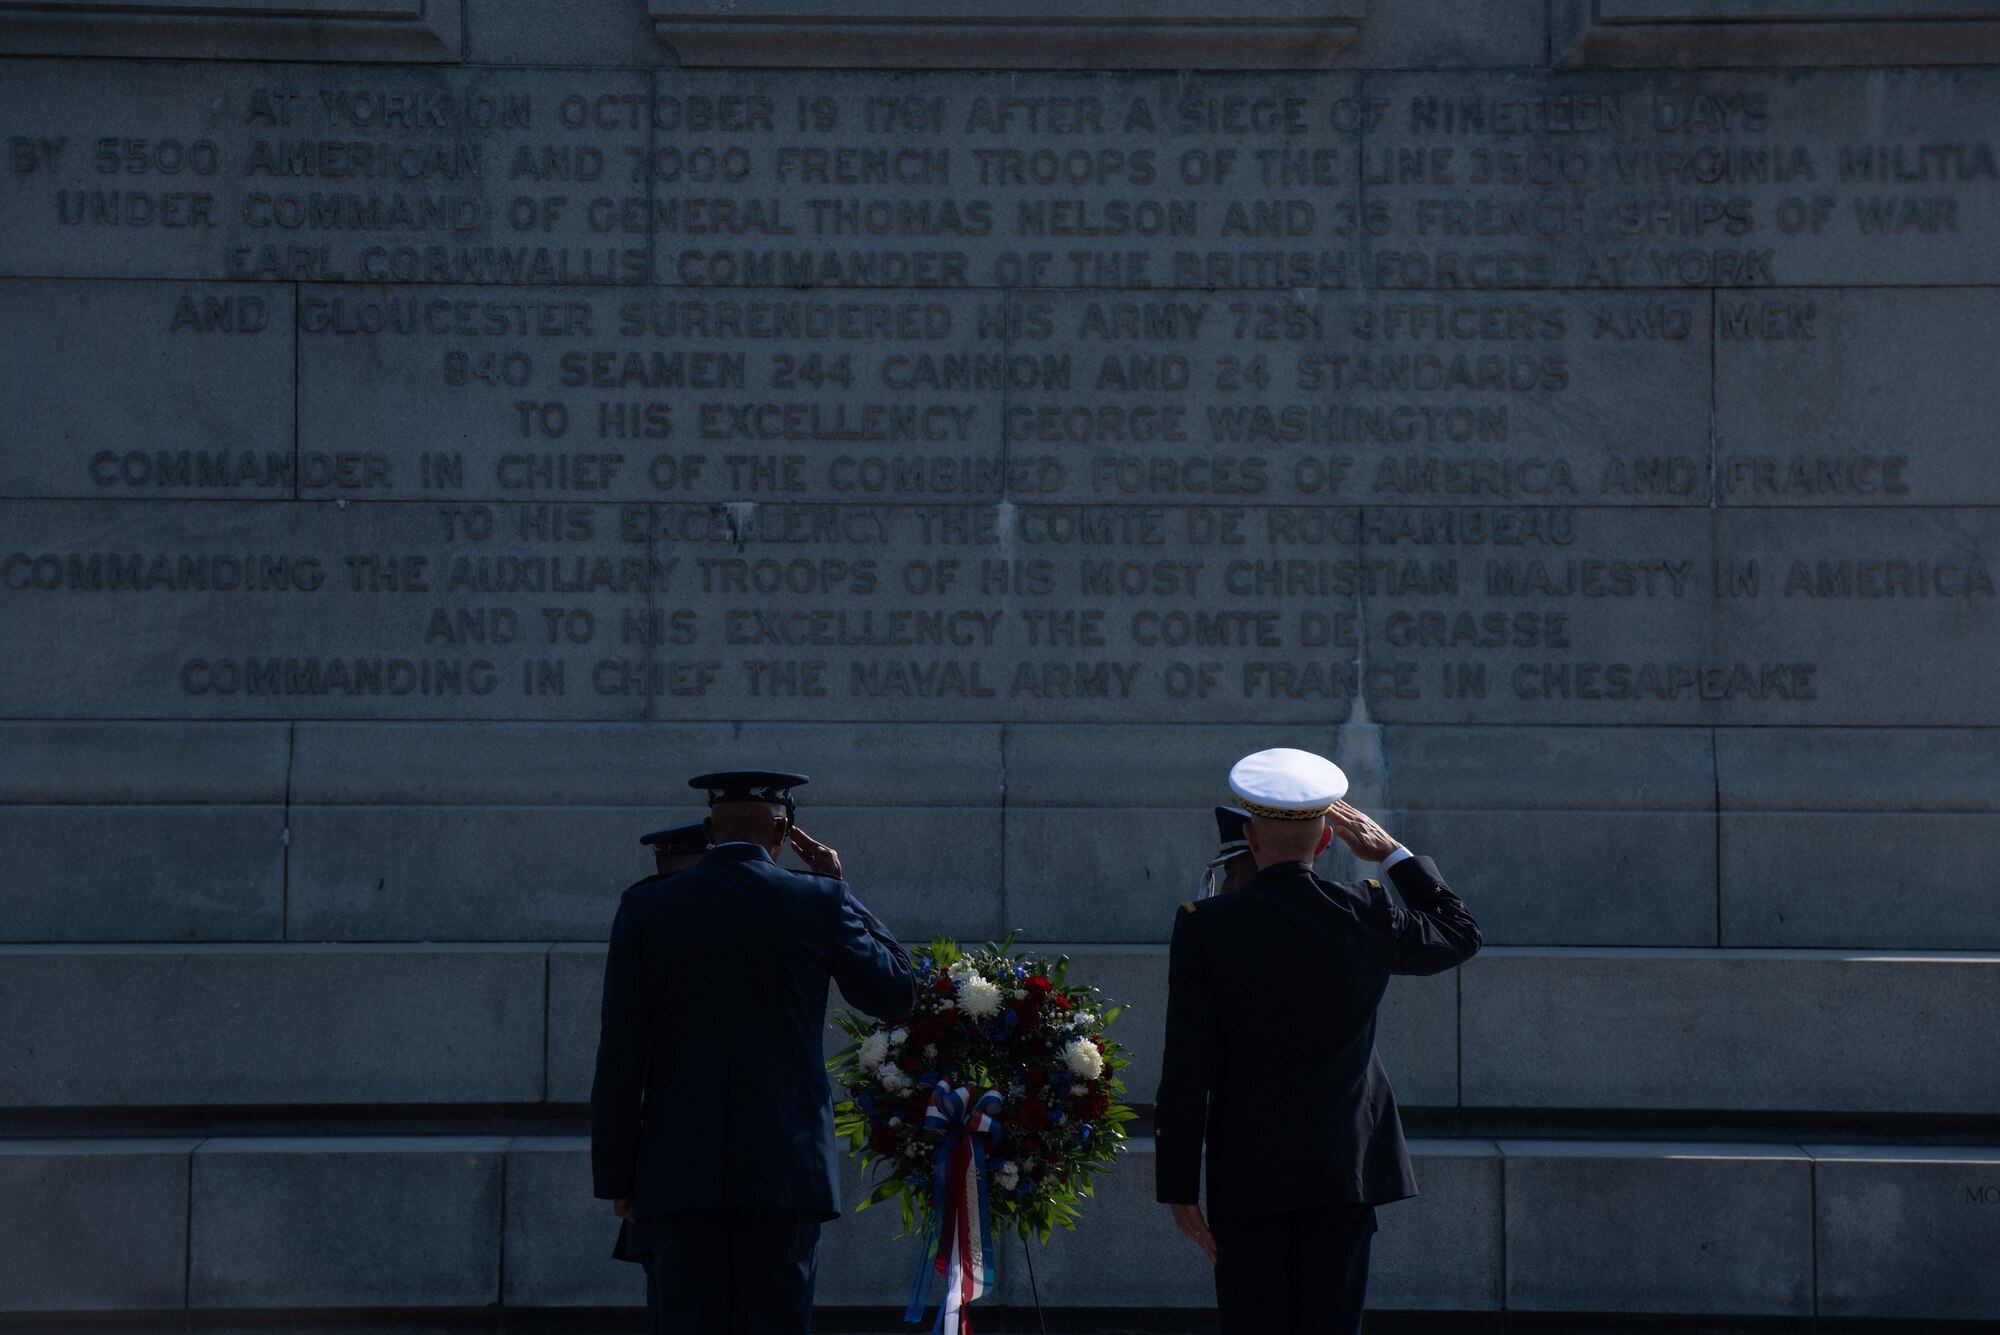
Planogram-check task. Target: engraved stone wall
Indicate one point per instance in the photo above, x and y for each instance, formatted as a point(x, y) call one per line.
point(427, 435)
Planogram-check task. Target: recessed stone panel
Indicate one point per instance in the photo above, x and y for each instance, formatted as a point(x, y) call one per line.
point(1094, 35)
point(1441, 1251)
point(69, 1200)
point(238, 29)
point(1727, 1030)
point(1610, 33)
point(135, 1026)
point(362, 1221)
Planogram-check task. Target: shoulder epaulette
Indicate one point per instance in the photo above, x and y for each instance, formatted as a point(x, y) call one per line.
point(1187, 906)
point(1372, 883)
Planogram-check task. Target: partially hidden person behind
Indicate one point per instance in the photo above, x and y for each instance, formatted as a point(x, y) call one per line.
point(1270, 1063)
point(711, 1118)
point(1232, 866)
point(675, 849)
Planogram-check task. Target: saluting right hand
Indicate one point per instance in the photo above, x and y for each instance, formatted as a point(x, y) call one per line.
point(817, 856)
point(1370, 842)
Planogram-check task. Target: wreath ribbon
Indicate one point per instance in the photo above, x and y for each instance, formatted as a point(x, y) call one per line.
point(958, 1241)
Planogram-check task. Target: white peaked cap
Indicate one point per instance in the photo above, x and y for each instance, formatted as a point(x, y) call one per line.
point(1283, 784)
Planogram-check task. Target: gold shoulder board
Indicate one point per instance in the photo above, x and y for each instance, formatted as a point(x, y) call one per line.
point(1187, 906)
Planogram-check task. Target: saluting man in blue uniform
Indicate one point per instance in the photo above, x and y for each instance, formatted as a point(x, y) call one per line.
point(1270, 1061)
point(711, 1119)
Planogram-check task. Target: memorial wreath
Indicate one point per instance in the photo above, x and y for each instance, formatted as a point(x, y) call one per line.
point(994, 1102)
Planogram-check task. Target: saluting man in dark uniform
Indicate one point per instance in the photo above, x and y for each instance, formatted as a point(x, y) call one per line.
point(1270, 1052)
point(711, 1117)
point(675, 849)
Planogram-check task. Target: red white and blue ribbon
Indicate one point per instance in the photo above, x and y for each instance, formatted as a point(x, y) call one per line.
point(958, 1241)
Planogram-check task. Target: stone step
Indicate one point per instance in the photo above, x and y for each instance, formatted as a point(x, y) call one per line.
point(1694, 1227)
point(1872, 1035)
point(462, 831)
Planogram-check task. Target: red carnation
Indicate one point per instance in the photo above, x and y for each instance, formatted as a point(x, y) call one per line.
point(1033, 1116)
point(1062, 1002)
point(912, 1065)
point(913, 1107)
point(1038, 986)
point(1036, 1075)
point(941, 988)
point(1033, 1144)
point(882, 1140)
point(1096, 1105)
point(948, 1016)
point(927, 1030)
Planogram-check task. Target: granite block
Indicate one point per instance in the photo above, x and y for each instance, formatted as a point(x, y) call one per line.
point(1890, 579)
point(1575, 878)
point(1158, 764)
point(1862, 770)
point(1830, 370)
point(1727, 1031)
point(1903, 881)
point(555, 873)
point(1550, 768)
point(1603, 1226)
point(143, 873)
point(204, 399)
point(347, 1221)
point(137, 1026)
point(558, 1237)
point(1441, 1251)
point(531, 764)
point(1907, 1231)
point(576, 991)
point(192, 764)
point(71, 1203)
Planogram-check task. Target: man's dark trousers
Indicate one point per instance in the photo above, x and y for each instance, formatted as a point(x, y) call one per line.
point(734, 1272)
point(1304, 1273)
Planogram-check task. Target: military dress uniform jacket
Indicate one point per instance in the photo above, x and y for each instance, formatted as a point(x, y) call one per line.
point(711, 1089)
point(1270, 1048)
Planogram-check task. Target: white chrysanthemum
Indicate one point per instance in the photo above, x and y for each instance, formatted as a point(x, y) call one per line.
point(897, 1037)
point(892, 1077)
point(930, 1052)
point(895, 1121)
point(874, 1050)
point(978, 998)
point(1087, 1020)
point(1009, 1176)
point(1083, 1058)
point(1019, 994)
